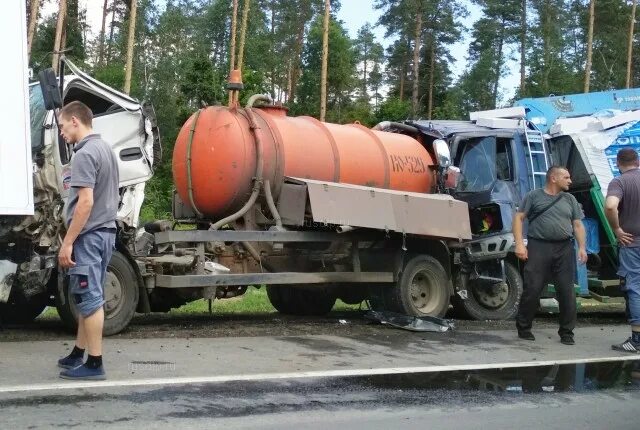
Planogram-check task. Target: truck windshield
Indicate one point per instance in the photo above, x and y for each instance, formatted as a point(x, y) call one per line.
point(478, 165)
point(37, 112)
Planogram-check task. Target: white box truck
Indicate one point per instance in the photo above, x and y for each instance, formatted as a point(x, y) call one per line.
point(16, 178)
point(16, 187)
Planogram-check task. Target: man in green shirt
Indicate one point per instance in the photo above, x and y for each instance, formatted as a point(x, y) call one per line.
point(554, 220)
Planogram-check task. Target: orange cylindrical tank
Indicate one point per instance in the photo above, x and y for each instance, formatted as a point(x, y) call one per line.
point(215, 156)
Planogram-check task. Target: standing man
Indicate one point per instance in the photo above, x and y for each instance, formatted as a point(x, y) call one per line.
point(91, 231)
point(554, 220)
point(623, 213)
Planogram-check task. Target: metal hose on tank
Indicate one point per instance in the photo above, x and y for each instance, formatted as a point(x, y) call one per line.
point(255, 192)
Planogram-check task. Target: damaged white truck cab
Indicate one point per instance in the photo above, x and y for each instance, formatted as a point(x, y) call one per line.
point(30, 242)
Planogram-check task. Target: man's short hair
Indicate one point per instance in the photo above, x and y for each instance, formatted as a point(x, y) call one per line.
point(554, 170)
point(627, 157)
point(80, 111)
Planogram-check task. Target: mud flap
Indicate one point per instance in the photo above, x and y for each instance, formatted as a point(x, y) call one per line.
point(7, 272)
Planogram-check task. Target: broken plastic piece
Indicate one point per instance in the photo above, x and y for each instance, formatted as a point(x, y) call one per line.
point(410, 323)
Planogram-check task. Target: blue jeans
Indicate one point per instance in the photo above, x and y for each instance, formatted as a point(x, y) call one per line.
point(91, 252)
point(629, 272)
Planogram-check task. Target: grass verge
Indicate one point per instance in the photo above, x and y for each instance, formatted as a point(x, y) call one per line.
point(254, 301)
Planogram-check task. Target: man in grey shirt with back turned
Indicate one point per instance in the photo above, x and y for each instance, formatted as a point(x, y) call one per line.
point(623, 213)
point(86, 250)
point(554, 220)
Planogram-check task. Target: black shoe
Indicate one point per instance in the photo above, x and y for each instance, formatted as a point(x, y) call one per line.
point(526, 335)
point(627, 346)
point(567, 339)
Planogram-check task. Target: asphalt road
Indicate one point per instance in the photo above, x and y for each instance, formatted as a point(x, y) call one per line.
point(239, 372)
point(596, 396)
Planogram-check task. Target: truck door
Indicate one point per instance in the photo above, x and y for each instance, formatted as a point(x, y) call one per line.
point(488, 176)
point(120, 120)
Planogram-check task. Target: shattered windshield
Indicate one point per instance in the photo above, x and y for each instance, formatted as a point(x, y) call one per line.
point(478, 165)
point(37, 112)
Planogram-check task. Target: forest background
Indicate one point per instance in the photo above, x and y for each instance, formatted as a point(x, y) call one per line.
point(179, 54)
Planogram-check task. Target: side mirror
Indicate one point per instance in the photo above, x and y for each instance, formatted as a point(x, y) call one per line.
point(443, 154)
point(50, 89)
point(451, 177)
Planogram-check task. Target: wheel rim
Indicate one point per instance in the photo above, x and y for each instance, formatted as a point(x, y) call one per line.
point(492, 296)
point(113, 295)
point(425, 294)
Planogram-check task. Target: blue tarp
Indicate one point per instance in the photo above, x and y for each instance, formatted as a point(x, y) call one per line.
point(630, 137)
point(544, 111)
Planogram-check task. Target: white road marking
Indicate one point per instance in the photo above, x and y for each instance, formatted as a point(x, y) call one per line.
point(296, 375)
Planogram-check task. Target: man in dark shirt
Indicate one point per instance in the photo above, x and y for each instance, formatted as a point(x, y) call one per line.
point(623, 213)
point(87, 247)
point(554, 219)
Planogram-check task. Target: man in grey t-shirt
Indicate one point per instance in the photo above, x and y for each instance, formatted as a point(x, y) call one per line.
point(554, 220)
point(623, 213)
point(87, 247)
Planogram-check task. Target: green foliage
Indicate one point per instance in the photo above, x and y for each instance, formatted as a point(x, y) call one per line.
point(394, 109)
point(341, 74)
point(181, 58)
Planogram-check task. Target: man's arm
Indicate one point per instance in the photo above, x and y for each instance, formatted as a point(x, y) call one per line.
point(581, 237)
point(516, 227)
point(79, 219)
point(611, 211)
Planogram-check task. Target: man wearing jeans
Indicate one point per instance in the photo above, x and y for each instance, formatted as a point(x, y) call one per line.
point(623, 213)
point(85, 252)
point(554, 220)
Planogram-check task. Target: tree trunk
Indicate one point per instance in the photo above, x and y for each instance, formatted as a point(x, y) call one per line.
point(273, 53)
point(234, 30)
point(232, 47)
point(432, 73)
point(243, 32)
point(403, 72)
point(630, 43)
point(325, 58)
point(62, 13)
point(496, 83)
point(546, 55)
point(113, 21)
point(523, 47)
point(416, 63)
point(33, 23)
point(105, 12)
point(587, 69)
point(295, 62)
point(289, 83)
point(132, 32)
point(364, 81)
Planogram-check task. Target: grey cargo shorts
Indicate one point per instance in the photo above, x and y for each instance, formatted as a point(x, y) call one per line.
point(91, 252)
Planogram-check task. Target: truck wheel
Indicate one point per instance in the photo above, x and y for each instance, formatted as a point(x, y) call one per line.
point(120, 293)
point(23, 313)
point(492, 301)
point(314, 301)
point(422, 289)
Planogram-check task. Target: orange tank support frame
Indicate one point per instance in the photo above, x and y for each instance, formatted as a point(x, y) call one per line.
point(214, 159)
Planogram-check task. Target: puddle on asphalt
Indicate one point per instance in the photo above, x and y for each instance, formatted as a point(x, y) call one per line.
point(537, 379)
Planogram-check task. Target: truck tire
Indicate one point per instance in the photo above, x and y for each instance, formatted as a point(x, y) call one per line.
point(121, 295)
point(23, 313)
point(423, 289)
point(492, 302)
point(314, 301)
